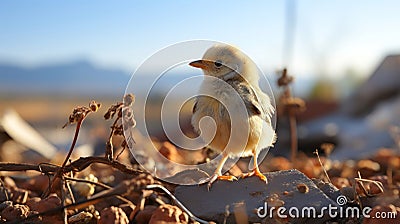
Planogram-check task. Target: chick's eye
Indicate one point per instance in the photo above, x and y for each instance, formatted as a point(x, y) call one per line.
point(218, 64)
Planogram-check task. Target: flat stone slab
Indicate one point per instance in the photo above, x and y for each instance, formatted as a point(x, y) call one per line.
point(237, 201)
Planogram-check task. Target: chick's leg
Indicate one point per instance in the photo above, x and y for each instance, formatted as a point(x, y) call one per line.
point(256, 170)
point(218, 175)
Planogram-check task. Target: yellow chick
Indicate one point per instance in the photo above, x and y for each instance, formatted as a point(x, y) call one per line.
point(237, 71)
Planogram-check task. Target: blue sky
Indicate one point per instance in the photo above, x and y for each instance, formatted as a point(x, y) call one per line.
point(330, 36)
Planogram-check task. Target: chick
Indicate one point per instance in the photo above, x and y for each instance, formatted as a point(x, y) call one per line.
point(228, 64)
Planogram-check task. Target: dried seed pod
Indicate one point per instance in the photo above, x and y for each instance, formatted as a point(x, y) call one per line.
point(129, 99)
point(94, 106)
point(128, 117)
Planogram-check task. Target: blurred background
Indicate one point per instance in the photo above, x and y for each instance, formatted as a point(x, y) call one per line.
point(344, 56)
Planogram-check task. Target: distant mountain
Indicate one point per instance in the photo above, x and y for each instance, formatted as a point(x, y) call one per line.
point(74, 79)
point(83, 79)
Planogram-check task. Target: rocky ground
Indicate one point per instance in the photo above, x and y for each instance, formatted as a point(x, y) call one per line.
point(96, 190)
point(113, 188)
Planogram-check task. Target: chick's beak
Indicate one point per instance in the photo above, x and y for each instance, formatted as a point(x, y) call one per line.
point(199, 64)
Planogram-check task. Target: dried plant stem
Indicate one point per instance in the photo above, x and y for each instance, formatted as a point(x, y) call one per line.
point(291, 106)
point(322, 165)
point(120, 153)
point(131, 205)
point(64, 212)
point(78, 127)
point(361, 181)
point(77, 165)
point(110, 147)
point(61, 169)
point(3, 186)
point(293, 136)
point(68, 187)
point(142, 200)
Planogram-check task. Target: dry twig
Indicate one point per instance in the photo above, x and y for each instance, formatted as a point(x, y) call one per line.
point(76, 166)
point(124, 116)
point(78, 115)
point(322, 165)
point(291, 106)
point(360, 181)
